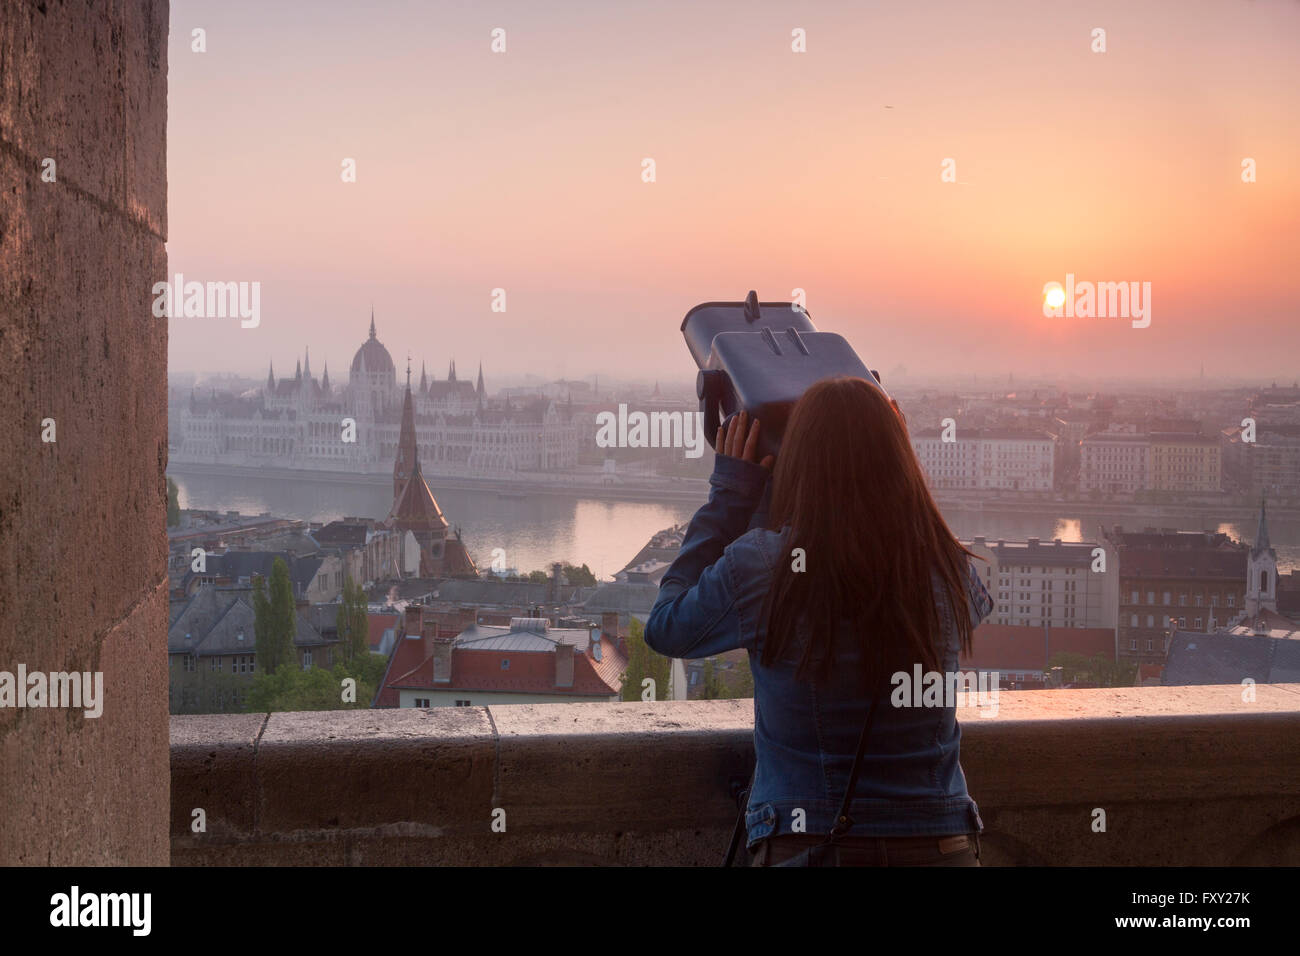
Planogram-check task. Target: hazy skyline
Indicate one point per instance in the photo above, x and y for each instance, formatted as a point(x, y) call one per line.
point(774, 170)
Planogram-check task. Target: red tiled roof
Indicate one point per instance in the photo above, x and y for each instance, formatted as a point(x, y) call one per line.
point(378, 623)
point(1018, 648)
point(530, 672)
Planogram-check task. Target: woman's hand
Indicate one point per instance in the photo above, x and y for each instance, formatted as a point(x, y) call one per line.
point(736, 441)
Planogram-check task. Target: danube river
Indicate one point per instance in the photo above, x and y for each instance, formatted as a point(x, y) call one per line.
point(534, 530)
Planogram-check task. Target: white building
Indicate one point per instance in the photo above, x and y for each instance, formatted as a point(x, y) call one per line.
point(1054, 584)
point(301, 422)
point(1013, 461)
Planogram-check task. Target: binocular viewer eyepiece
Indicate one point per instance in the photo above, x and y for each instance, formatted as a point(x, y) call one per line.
point(760, 357)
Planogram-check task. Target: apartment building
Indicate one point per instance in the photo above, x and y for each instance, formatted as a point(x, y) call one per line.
point(1049, 584)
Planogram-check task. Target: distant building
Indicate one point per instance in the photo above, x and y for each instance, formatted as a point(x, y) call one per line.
point(211, 650)
point(298, 423)
point(1048, 584)
point(1022, 655)
point(986, 459)
point(526, 661)
point(1184, 463)
point(314, 578)
point(1116, 461)
point(1174, 580)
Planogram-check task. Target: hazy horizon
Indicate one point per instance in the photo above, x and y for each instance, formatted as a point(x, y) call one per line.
point(775, 170)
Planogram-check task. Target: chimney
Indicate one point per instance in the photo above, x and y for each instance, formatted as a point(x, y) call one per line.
point(442, 660)
point(414, 622)
point(563, 665)
point(429, 636)
point(609, 623)
point(468, 618)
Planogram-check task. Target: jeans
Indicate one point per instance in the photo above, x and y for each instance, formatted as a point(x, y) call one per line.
point(876, 851)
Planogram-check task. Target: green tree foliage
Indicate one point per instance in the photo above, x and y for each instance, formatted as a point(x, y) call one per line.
point(712, 687)
point(642, 662)
point(276, 621)
point(351, 622)
point(580, 577)
point(1098, 671)
point(173, 503)
point(318, 688)
point(538, 577)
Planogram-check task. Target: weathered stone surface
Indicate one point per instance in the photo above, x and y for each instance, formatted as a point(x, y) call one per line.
point(82, 545)
point(1186, 776)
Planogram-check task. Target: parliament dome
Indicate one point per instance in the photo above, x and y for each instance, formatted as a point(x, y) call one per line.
point(372, 355)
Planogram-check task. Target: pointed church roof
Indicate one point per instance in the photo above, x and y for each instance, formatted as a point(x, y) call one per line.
point(325, 378)
point(479, 387)
point(297, 372)
point(407, 453)
point(424, 380)
point(306, 367)
point(451, 371)
point(1262, 544)
point(270, 377)
point(415, 508)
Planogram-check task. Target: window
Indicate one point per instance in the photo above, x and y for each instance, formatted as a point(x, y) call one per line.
point(1151, 597)
point(1197, 623)
point(1182, 600)
point(1182, 622)
point(422, 702)
point(505, 663)
point(1232, 600)
point(462, 703)
point(1132, 643)
point(1151, 620)
point(215, 663)
point(1166, 598)
point(1148, 643)
point(1133, 620)
point(190, 663)
point(306, 660)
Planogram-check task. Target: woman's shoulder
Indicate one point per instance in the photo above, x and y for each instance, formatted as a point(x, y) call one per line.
point(757, 548)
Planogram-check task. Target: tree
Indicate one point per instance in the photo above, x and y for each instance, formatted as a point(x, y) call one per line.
point(580, 577)
point(276, 620)
point(711, 687)
point(290, 688)
point(173, 503)
point(351, 622)
point(1098, 671)
point(538, 577)
point(642, 662)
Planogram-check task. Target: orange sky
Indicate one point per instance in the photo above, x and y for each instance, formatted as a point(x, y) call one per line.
point(775, 170)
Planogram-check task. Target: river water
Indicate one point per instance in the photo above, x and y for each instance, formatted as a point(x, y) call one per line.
point(605, 535)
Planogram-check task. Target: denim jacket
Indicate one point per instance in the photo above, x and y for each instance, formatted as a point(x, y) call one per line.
point(806, 732)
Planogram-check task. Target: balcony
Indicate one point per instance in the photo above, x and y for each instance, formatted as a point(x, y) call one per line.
point(1186, 776)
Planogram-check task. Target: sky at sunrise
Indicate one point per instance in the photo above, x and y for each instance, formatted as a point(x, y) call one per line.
point(773, 169)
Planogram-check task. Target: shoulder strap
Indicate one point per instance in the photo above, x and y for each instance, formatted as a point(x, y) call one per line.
point(843, 822)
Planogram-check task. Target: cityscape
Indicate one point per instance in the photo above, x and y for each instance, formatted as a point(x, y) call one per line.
point(677, 434)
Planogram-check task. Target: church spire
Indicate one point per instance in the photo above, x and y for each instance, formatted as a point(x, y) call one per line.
point(1262, 544)
point(479, 389)
point(407, 449)
point(325, 378)
point(306, 368)
point(424, 380)
point(451, 371)
point(372, 321)
point(270, 378)
point(297, 372)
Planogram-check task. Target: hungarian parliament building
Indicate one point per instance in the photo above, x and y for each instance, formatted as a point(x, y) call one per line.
point(302, 423)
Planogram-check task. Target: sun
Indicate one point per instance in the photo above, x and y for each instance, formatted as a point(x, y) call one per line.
point(1055, 297)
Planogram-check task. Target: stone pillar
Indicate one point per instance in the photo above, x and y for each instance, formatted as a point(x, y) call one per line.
point(83, 552)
